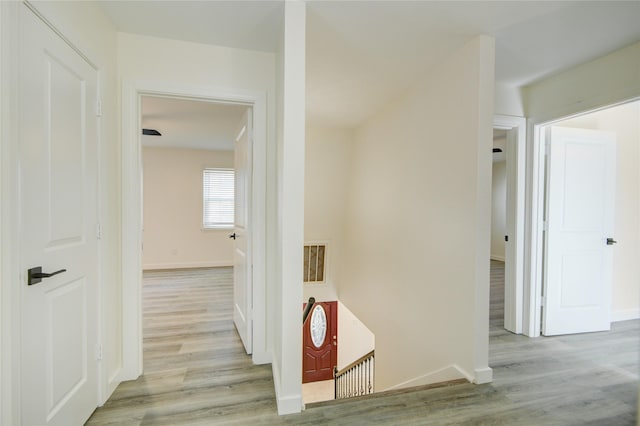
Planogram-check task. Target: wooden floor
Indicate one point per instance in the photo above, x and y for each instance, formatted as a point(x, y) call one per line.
point(197, 373)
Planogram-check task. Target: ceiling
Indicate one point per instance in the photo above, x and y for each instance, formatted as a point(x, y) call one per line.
point(361, 54)
point(190, 124)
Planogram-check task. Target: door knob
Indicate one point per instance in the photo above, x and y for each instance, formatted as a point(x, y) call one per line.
point(611, 241)
point(35, 275)
point(233, 236)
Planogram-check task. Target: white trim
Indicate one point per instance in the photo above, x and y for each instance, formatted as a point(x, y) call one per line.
point(187, 265)
point(132, 208)
point(287, 404)
point(625, 315)
point(483, 375)
point(9, 215)
point(515, 307)
point(535, 214)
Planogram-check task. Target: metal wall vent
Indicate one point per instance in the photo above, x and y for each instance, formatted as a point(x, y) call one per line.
point(314, 263)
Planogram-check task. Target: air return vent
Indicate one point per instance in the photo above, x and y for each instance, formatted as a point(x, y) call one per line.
point(314, 263)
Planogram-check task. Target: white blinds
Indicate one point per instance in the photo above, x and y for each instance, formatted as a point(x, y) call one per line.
point(218, 190)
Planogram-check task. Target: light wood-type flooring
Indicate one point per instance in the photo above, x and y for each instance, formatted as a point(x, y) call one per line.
point(196, 372)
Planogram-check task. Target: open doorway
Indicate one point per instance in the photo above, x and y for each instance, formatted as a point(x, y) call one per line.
point(190, 187)
point(616, 252)
point(507, 234)
point(132, 210)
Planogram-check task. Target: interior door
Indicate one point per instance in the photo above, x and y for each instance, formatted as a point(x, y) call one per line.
point(242, 278)
point(57, 151)
point(320, 342)
point(580, 202)
point(511, 320)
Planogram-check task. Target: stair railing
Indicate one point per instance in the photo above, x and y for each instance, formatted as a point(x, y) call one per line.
point(356, 379)
point(307, 309)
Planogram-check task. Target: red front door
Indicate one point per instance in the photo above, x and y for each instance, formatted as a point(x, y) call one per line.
point(320, 342)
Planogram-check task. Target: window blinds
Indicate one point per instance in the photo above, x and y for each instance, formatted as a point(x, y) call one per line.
point(218, 191)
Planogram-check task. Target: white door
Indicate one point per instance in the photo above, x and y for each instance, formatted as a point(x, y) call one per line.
point(511, 317)
point(242, 279)
point(58, 183)
point(580, 201)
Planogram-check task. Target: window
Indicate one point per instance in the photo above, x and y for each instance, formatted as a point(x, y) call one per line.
point(217, 198)
point(314, 264)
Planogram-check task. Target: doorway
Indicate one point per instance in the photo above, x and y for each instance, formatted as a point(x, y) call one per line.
point(623, 121)
point(510, 138)
point(189, 156)
point(132, 209)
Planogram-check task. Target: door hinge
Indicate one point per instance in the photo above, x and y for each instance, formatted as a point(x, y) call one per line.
point(545, 226)
point(98, 352)
point(98, 231)
point(99, 108)
point(543, 301)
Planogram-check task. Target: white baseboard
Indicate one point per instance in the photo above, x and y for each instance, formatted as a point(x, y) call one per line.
point(289, 404)
point(187, 265)
point(625, 315)
point(483, 375)
point(261, 357)
point(112, 384)
point(497, 257)
point(452, 372)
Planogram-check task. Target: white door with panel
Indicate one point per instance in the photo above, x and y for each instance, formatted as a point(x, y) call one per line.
point(242, 271)
point(579, 238)
point(57, 149)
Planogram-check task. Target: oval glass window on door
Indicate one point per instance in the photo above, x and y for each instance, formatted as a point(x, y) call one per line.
point(318, 326)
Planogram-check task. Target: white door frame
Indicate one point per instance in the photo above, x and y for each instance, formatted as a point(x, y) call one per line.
point(514, 284)
point(535, 213)
point(9, 213)
point(132, 210)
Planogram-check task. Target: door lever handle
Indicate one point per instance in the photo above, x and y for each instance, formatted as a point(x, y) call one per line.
point(232, 235)
point(36, 275)
point(611, 241)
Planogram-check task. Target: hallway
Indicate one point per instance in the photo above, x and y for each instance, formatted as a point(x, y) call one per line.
point(197, 373)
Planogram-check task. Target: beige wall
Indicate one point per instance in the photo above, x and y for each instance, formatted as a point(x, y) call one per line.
point(624, 121)
point(498, 209)
point(173, 236)
point(327, 169)
point(328, 162)
point(416, 265)
point(354, 338)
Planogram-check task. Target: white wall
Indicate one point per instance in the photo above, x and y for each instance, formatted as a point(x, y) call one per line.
point(603, 81)
point(508, 100)
point(354, 338)
point(418, 224)
point(624, 121)
point(86, 26)
point(327, 170)
point(173, 236)
point(498, 209)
